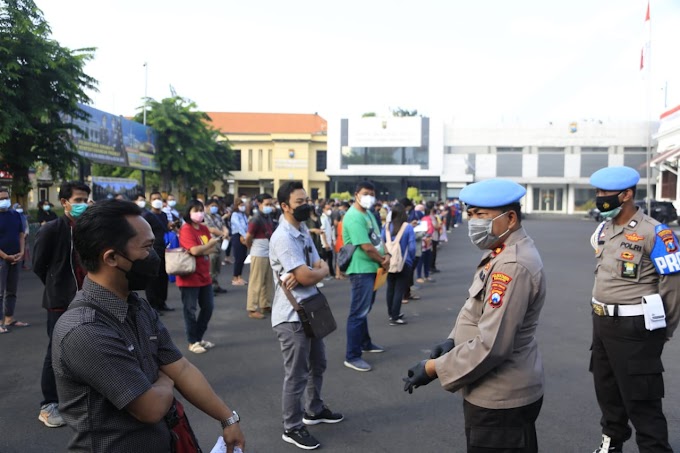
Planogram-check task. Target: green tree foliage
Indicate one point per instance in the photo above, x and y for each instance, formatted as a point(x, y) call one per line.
point(41, 84)
point(186, 147)
point(413, 194)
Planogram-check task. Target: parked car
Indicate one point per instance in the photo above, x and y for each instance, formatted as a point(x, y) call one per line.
point(595, 215)
point(663, 211)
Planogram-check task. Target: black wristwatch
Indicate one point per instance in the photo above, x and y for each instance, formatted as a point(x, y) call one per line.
point(231, 420)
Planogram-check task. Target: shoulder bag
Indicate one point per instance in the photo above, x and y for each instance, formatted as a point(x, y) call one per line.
point(314, 312)
point(345, 256)
point(179, 262)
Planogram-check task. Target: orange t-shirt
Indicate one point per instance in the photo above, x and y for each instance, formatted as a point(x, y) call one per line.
point(338, 239)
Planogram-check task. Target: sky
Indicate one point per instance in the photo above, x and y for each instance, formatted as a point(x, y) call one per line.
point(461, 59)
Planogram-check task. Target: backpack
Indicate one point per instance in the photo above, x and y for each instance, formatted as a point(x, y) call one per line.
point(393, 247)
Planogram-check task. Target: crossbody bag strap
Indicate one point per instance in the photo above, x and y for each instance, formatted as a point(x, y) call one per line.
point(289, 295)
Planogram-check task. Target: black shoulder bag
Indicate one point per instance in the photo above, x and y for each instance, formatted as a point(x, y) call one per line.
point(314, 312)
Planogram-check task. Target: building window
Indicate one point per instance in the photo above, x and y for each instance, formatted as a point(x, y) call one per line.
point(590, 163)
point(409, 155)
point(260, 158)
point(250, 160)
point(669, 184)
point(509, 161)
point(321, 160)
point(593, 149)
point(636, 157)
point(237, 160)
point(584, 199)
point(551, 162)
point(270, 159)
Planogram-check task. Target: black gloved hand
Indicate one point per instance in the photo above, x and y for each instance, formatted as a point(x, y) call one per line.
point(417, 376)
point(442, 348)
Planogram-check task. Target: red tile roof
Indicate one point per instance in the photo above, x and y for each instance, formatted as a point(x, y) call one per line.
point(267, 123)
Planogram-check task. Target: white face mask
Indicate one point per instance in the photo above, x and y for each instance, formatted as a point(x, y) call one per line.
point(5, 204)
point(367, 201)
point(242, 208)
point(141, 203)
point(329, 212)
point(479, 232)
point(19, 210)
point(157, 204)
point(172, 203)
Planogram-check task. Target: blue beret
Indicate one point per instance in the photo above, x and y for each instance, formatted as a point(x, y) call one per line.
point(492, 193)
point(615, 178)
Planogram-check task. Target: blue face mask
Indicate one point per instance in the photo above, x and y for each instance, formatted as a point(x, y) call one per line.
point(213, 209)
point(267, 210)
point(46, 207)
point(77, 209)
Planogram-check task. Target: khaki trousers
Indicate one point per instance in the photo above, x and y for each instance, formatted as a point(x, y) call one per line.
point(260, 284)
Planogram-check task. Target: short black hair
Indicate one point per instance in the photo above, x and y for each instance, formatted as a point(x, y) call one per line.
point(283, 194)
point(4, 189)
point(103, 226)
point(345, 204)
point(155, 192)
point(187, 210)
point(634, 189)
point(264, 196)
point(67, 188)
point(140, 194)
point(406, 202)
point(364, 185)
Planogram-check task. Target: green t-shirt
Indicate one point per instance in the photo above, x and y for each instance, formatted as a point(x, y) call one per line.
point(361, 228)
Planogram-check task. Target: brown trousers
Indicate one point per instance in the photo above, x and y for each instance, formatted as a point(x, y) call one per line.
point(260, 284)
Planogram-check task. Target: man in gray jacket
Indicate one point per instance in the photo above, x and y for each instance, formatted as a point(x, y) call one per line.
point(491, 354)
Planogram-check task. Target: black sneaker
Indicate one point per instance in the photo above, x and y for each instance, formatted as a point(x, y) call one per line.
point(397, 322)
point(609, 446)
point(301, 438)
point(326, 416)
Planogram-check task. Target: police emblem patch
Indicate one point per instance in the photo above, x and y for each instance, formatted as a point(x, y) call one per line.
point(634, 237)
point(496, 294)
point(501, 277)
point(627, 256)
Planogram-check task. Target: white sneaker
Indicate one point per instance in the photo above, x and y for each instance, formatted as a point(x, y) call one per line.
point(319, 285)
point(207, 344)
point(197, 348)
point(50, 416)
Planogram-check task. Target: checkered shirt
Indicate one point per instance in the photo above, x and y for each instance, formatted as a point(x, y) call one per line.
point(101, 369)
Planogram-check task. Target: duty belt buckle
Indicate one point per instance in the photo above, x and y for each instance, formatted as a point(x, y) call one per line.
point(599, 310)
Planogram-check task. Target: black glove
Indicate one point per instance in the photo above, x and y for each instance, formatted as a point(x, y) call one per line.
point(417, 376)
point(442, 348)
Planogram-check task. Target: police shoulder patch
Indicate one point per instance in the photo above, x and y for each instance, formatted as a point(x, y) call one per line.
point(496, 294)
point(665, 254)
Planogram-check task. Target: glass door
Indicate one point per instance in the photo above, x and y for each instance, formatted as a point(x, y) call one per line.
point(548, 199)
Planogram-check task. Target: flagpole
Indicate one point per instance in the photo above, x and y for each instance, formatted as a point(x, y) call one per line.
point(648, 68)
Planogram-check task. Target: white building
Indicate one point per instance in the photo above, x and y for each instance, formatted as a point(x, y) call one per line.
point(553, 161)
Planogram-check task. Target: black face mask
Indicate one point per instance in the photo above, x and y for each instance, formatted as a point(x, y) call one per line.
point(302, 212)
point(141, 270)
point(608, 202)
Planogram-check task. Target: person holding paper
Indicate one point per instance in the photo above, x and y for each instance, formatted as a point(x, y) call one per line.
point(635, 311)
point(360, 228)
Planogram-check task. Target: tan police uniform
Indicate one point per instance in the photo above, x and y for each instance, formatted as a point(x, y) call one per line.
point(496, 362)
point(626, 357)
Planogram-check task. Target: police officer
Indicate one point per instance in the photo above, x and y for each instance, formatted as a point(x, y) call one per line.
point(491, 354)
point(637, 271)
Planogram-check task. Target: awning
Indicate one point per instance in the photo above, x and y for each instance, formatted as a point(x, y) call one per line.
point(666, 156)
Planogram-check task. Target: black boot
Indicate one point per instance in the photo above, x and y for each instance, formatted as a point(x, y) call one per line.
point(609, 446)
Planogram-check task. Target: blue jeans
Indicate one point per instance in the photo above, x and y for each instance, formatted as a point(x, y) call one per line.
point(191, 297)
point(363, 296)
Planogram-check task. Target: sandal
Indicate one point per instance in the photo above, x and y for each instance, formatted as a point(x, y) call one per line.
point(16, 323)
point(3, 330)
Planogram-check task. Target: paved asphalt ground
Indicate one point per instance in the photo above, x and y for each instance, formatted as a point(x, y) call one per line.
point(245, 368)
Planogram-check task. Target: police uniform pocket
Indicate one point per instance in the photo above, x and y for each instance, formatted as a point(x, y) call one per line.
point(628, 266)
point(646, 379)
point(476, 289)
point(488, 437)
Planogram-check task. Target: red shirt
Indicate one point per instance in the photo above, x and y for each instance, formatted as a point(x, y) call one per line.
point(190, 237)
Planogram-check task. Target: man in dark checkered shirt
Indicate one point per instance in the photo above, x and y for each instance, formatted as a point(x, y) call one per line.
point(116, 366)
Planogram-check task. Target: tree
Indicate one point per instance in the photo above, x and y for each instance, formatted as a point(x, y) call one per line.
point(187, 148)
point(41, 84)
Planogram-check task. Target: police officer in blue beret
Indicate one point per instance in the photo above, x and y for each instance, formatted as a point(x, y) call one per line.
point(635, 311)
point(491, 355)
